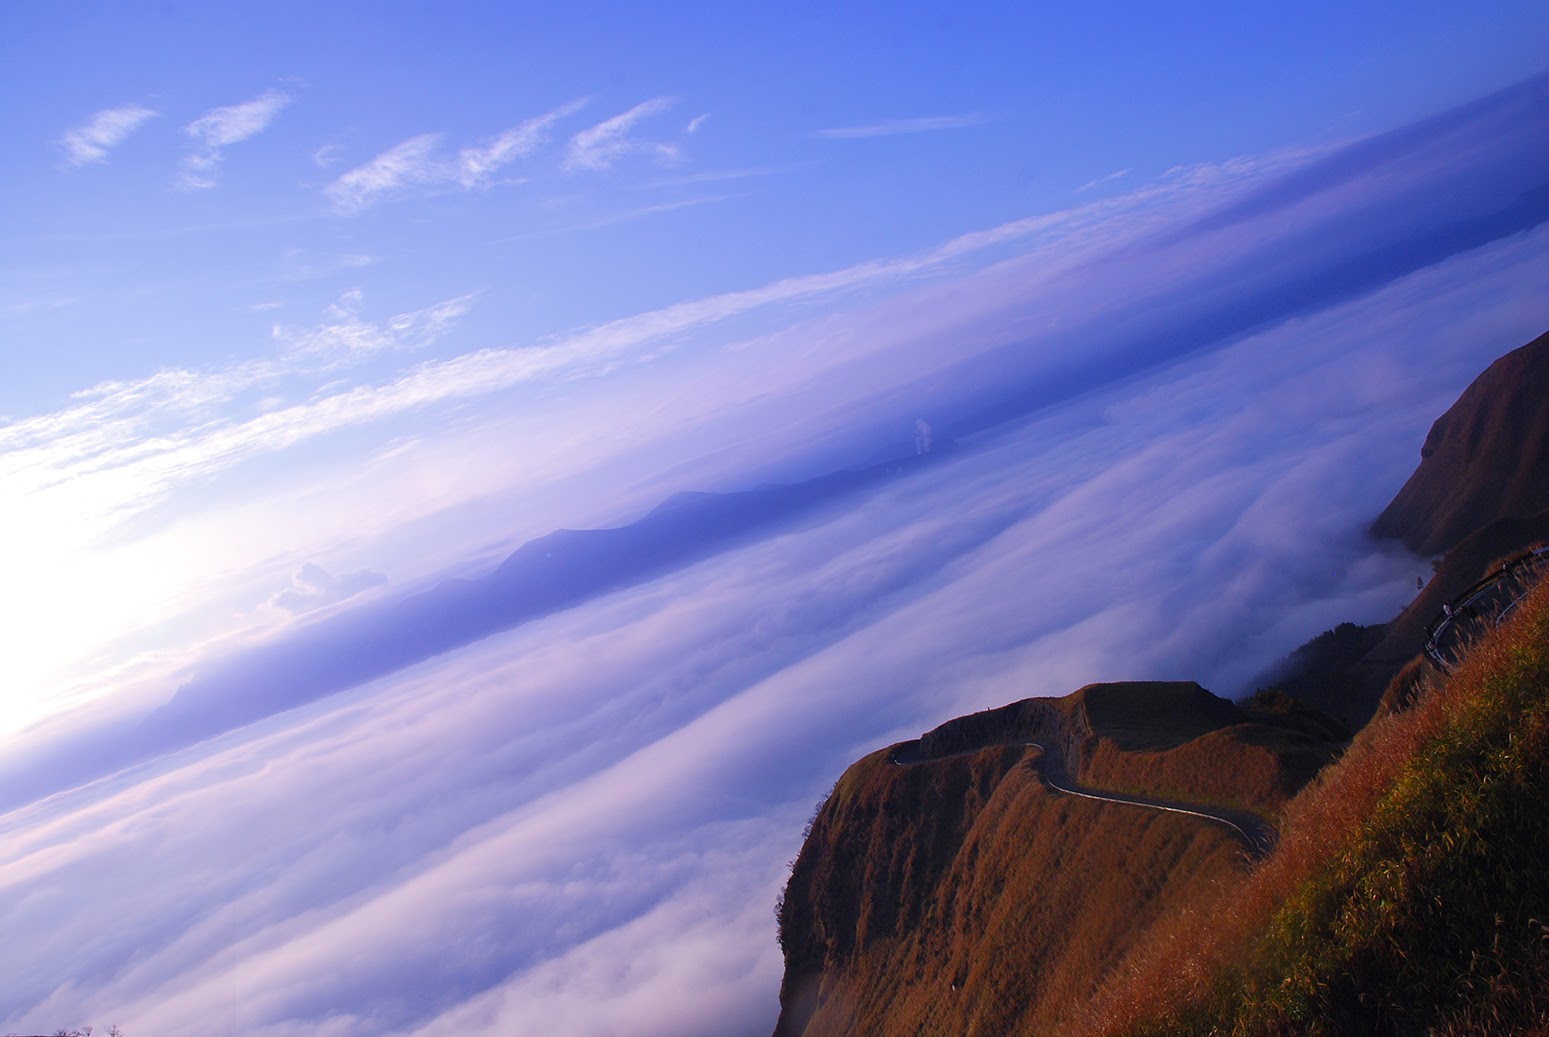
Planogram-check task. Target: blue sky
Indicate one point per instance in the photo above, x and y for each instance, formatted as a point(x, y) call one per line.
point(1142, 311)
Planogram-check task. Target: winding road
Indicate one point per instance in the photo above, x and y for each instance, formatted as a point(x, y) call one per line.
point(1482, 606)
point(1257, 835)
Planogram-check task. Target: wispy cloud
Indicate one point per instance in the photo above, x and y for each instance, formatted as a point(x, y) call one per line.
point(715, 176)
point(102, 133)
point(604, 144)
point(220, 128)
point(124, 445)
point(411, 163)
point(304, 268)
point(476, 165)
point(326, 156)
point(345, 336)
point(312, 587)
point(1100, 181)
point(894, 127)
point(419, 163)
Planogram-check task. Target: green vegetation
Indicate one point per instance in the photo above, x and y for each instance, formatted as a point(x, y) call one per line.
point(1409, 892)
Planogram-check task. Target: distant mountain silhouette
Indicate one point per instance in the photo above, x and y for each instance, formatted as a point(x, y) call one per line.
point(1485, 459)
point(555, 572)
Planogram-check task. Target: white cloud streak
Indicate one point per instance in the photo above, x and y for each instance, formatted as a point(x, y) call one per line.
point(103, 132)
point(1101, 181)
point(408, 164)
point(602, 146)
point(218, 129)
point(72, 480)
point(312, 587)
point(419, 163)
point(475, 166)
point(896, 127)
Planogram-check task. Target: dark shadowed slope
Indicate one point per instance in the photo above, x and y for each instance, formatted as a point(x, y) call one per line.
point(1486, 459)
point(1479, 495)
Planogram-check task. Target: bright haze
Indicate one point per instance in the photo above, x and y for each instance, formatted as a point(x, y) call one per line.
point(901, 360)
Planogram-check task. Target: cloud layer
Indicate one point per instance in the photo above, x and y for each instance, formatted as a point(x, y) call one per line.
point(313, 587)
point(1158, 425)
point(581, 824)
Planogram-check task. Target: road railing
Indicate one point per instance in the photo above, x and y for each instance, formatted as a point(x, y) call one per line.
point(1467, 608)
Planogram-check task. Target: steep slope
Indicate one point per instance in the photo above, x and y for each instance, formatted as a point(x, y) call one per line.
point(946, 888)
point(1480, 494)
point(1408, 894)
point(1465, 563)
point(1486, 458)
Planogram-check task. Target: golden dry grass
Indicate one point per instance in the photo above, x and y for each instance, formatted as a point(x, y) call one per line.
point(1408, 893)
point(963, 896)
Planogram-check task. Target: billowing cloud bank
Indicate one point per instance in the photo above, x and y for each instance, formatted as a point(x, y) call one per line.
point(579, 825)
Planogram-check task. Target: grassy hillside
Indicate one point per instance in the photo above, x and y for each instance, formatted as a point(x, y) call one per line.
point(960, 895)
point(1191, 746)
point(991, 908)
point(1407, 895)
point(1409, 892)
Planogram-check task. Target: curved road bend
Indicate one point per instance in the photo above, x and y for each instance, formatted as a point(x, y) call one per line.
point(1257, 835)
point(1486, 604)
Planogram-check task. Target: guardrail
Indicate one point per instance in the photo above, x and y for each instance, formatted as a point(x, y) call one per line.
point(1469, 608)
